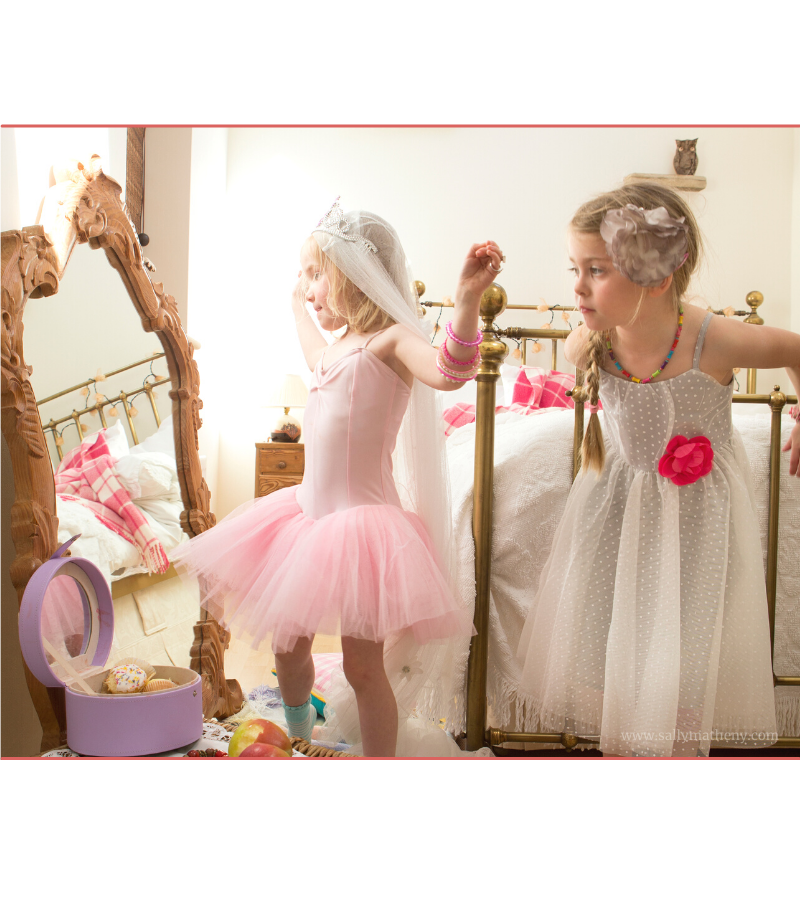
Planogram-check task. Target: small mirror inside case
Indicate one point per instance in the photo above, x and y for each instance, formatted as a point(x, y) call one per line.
point(66, 621)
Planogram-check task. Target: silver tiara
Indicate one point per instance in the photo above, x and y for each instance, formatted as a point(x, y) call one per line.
point(334, 222)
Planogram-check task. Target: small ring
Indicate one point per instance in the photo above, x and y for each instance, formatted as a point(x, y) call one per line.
point(491, 266)
point(503, 258)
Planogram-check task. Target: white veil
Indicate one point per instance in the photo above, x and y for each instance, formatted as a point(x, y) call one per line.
point(368, 251)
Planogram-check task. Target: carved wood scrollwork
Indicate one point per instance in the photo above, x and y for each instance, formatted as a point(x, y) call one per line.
point(85, 206)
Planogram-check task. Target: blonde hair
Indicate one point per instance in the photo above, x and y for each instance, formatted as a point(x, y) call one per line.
point(345, 300)
point(587, 220)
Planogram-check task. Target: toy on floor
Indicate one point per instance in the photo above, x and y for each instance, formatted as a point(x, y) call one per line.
point(260, 738)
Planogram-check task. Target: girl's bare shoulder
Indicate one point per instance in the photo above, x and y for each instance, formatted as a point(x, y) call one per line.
point(386, 341)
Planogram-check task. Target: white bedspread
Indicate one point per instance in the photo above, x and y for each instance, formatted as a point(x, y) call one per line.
point(532, 477)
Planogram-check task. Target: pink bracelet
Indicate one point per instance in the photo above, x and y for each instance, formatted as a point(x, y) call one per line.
point(462, 375)
point(449, 330)
point(452, 377)
point(458, 362)
point(794, 412)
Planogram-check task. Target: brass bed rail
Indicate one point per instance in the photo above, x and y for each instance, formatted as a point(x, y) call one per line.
point(124, 397)
point(493, 352)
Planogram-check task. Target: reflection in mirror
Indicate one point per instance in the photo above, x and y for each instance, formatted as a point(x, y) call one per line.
point(66, 621)
point(91, 326)
point(88, 329)
point(153, 478)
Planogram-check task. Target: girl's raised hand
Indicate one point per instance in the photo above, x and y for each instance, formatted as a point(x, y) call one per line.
point(481, 267)
point(299, 296)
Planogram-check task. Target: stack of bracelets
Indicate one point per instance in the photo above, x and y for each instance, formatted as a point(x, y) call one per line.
point(466, 371)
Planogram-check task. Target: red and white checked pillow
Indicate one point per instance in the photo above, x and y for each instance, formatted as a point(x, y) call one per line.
point(535, 389)
point(539, 389)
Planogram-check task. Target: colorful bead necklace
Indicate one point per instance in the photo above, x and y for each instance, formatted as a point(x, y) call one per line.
point(663, 365)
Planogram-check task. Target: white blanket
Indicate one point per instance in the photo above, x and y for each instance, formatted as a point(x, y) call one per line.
point(532, 478)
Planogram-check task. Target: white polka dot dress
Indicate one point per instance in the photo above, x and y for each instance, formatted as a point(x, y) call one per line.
point(650, 625)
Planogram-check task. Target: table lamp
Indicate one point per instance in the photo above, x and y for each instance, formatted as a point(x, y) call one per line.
point(289, 392)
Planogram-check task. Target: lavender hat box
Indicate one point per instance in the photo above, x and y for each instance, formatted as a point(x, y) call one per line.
point(101, 724)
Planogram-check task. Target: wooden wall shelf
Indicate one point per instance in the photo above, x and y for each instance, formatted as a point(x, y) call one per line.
point(676, 182)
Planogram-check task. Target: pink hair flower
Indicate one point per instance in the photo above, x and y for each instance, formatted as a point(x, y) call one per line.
point(686, 460)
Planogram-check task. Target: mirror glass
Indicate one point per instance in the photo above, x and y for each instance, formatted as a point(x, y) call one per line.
point(65, 618)
point(91, 325)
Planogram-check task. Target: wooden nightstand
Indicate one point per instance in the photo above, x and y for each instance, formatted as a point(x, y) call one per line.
point(277, 466)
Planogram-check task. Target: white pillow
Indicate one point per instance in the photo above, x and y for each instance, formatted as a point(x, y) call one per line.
point(164, 517)
point(115, 437)
point(148, 475)
point(162, 441)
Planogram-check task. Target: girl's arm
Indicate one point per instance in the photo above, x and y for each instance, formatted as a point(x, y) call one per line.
point(417, 355)
point(312, 342)
point(736, 344)
point(731, 344)
point(793, 443)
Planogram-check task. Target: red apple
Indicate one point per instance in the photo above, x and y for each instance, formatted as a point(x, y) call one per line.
point(263, 751)
point(259, 731)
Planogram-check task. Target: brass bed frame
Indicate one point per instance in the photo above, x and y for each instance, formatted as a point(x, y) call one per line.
point(123, 397)
point(493, 352)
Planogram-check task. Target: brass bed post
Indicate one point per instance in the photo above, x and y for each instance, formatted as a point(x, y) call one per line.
point(777, 400)
point(754, 299)
point(493, 352)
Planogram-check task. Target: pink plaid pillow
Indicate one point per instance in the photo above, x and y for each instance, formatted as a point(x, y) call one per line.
point(539, 388)
point(534, 390)
point(542, 389)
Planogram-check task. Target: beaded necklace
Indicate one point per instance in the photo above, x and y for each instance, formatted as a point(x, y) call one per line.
point(663, 365)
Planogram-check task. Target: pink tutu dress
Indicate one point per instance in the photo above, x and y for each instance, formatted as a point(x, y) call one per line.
point(337, 554)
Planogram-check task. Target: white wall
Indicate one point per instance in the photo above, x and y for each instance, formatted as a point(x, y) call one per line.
point(795, 249)
point(167, 179)
point(210, 271)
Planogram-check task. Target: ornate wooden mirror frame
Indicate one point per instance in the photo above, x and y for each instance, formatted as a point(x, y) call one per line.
point(86, 207)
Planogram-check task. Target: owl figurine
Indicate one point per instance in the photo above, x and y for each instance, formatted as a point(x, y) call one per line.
point(685, 159)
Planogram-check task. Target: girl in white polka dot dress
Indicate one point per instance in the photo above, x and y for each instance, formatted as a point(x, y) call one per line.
point(650, 625)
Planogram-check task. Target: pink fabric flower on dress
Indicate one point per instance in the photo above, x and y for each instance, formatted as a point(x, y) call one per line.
point(686, 459)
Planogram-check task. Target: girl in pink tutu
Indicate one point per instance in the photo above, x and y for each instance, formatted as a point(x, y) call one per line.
point(362, 546)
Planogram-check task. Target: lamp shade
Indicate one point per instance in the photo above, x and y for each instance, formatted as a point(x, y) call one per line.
point(290, 391)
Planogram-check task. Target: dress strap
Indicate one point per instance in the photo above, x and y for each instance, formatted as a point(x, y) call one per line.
point(698, 347)
point(373, 336)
